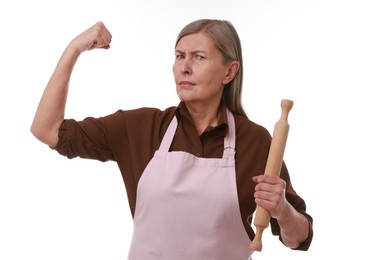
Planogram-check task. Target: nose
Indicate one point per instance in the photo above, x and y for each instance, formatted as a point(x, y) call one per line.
point(186, 66)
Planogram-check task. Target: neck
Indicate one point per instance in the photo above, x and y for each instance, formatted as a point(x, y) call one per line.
point(204, 116)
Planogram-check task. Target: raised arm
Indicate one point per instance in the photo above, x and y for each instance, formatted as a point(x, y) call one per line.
point(51, 109)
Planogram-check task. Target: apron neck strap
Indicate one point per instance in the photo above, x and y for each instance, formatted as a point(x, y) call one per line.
point(169, 134)
point(229, 149)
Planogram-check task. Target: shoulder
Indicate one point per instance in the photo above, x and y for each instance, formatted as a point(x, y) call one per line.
point(245, 126)
point(142, 121)
point(252, 140)
point(141, 115)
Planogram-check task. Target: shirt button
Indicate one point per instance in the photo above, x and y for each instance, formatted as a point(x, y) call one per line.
point(197, 154)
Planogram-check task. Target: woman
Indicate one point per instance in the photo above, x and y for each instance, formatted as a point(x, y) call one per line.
point(193, 173)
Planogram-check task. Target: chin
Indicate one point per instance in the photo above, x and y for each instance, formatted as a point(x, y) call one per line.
point(184, 97)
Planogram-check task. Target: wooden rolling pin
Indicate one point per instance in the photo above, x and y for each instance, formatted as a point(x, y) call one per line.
point(273, 167)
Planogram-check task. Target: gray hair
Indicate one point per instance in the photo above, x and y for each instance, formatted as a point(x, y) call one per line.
point(226, 39)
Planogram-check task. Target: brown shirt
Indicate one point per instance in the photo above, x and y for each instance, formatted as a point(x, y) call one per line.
point(131, 137)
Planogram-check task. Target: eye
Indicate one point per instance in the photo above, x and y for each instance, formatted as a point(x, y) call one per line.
point(200, 57)
point(179, 56)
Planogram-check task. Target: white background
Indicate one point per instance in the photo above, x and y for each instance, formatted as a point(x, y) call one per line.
point(332, 58)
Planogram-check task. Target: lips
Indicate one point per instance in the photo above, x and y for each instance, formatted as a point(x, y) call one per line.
point(186, 84)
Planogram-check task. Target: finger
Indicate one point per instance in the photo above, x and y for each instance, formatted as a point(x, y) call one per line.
point(264, 195)
point(101, 36)
point(262, 186)
point(100, 43)
point(106, 37)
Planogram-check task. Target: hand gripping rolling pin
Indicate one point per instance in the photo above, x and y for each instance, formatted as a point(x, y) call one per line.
point(273, 167)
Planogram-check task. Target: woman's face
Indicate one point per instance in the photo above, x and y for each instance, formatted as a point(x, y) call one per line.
point(199, 71)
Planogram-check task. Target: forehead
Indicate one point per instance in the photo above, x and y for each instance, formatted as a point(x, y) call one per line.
point(196, 42)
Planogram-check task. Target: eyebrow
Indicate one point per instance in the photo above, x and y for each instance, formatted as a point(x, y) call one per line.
point(182, 52)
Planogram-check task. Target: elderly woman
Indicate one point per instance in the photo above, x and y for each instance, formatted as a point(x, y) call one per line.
point(194, 172)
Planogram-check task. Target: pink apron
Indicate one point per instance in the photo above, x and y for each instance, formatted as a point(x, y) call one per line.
point(187, 207)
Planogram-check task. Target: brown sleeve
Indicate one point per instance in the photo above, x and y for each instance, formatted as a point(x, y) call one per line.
point(84, 139)
point(299, 204)
point(253, 142)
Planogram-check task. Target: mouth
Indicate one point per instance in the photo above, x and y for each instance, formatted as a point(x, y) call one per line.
point(186, 84)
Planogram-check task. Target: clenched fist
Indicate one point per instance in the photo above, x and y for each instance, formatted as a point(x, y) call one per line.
point(96, 36)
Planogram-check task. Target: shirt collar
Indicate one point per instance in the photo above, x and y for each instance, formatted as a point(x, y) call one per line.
point(182, 111)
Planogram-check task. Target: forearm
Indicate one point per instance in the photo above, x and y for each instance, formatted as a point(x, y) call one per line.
point(294, 227)
point(51, 109)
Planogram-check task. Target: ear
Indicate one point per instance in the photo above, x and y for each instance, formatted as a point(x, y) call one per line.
point(232, 70)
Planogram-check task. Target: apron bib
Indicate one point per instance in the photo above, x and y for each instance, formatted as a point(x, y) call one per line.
point(187, 207)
